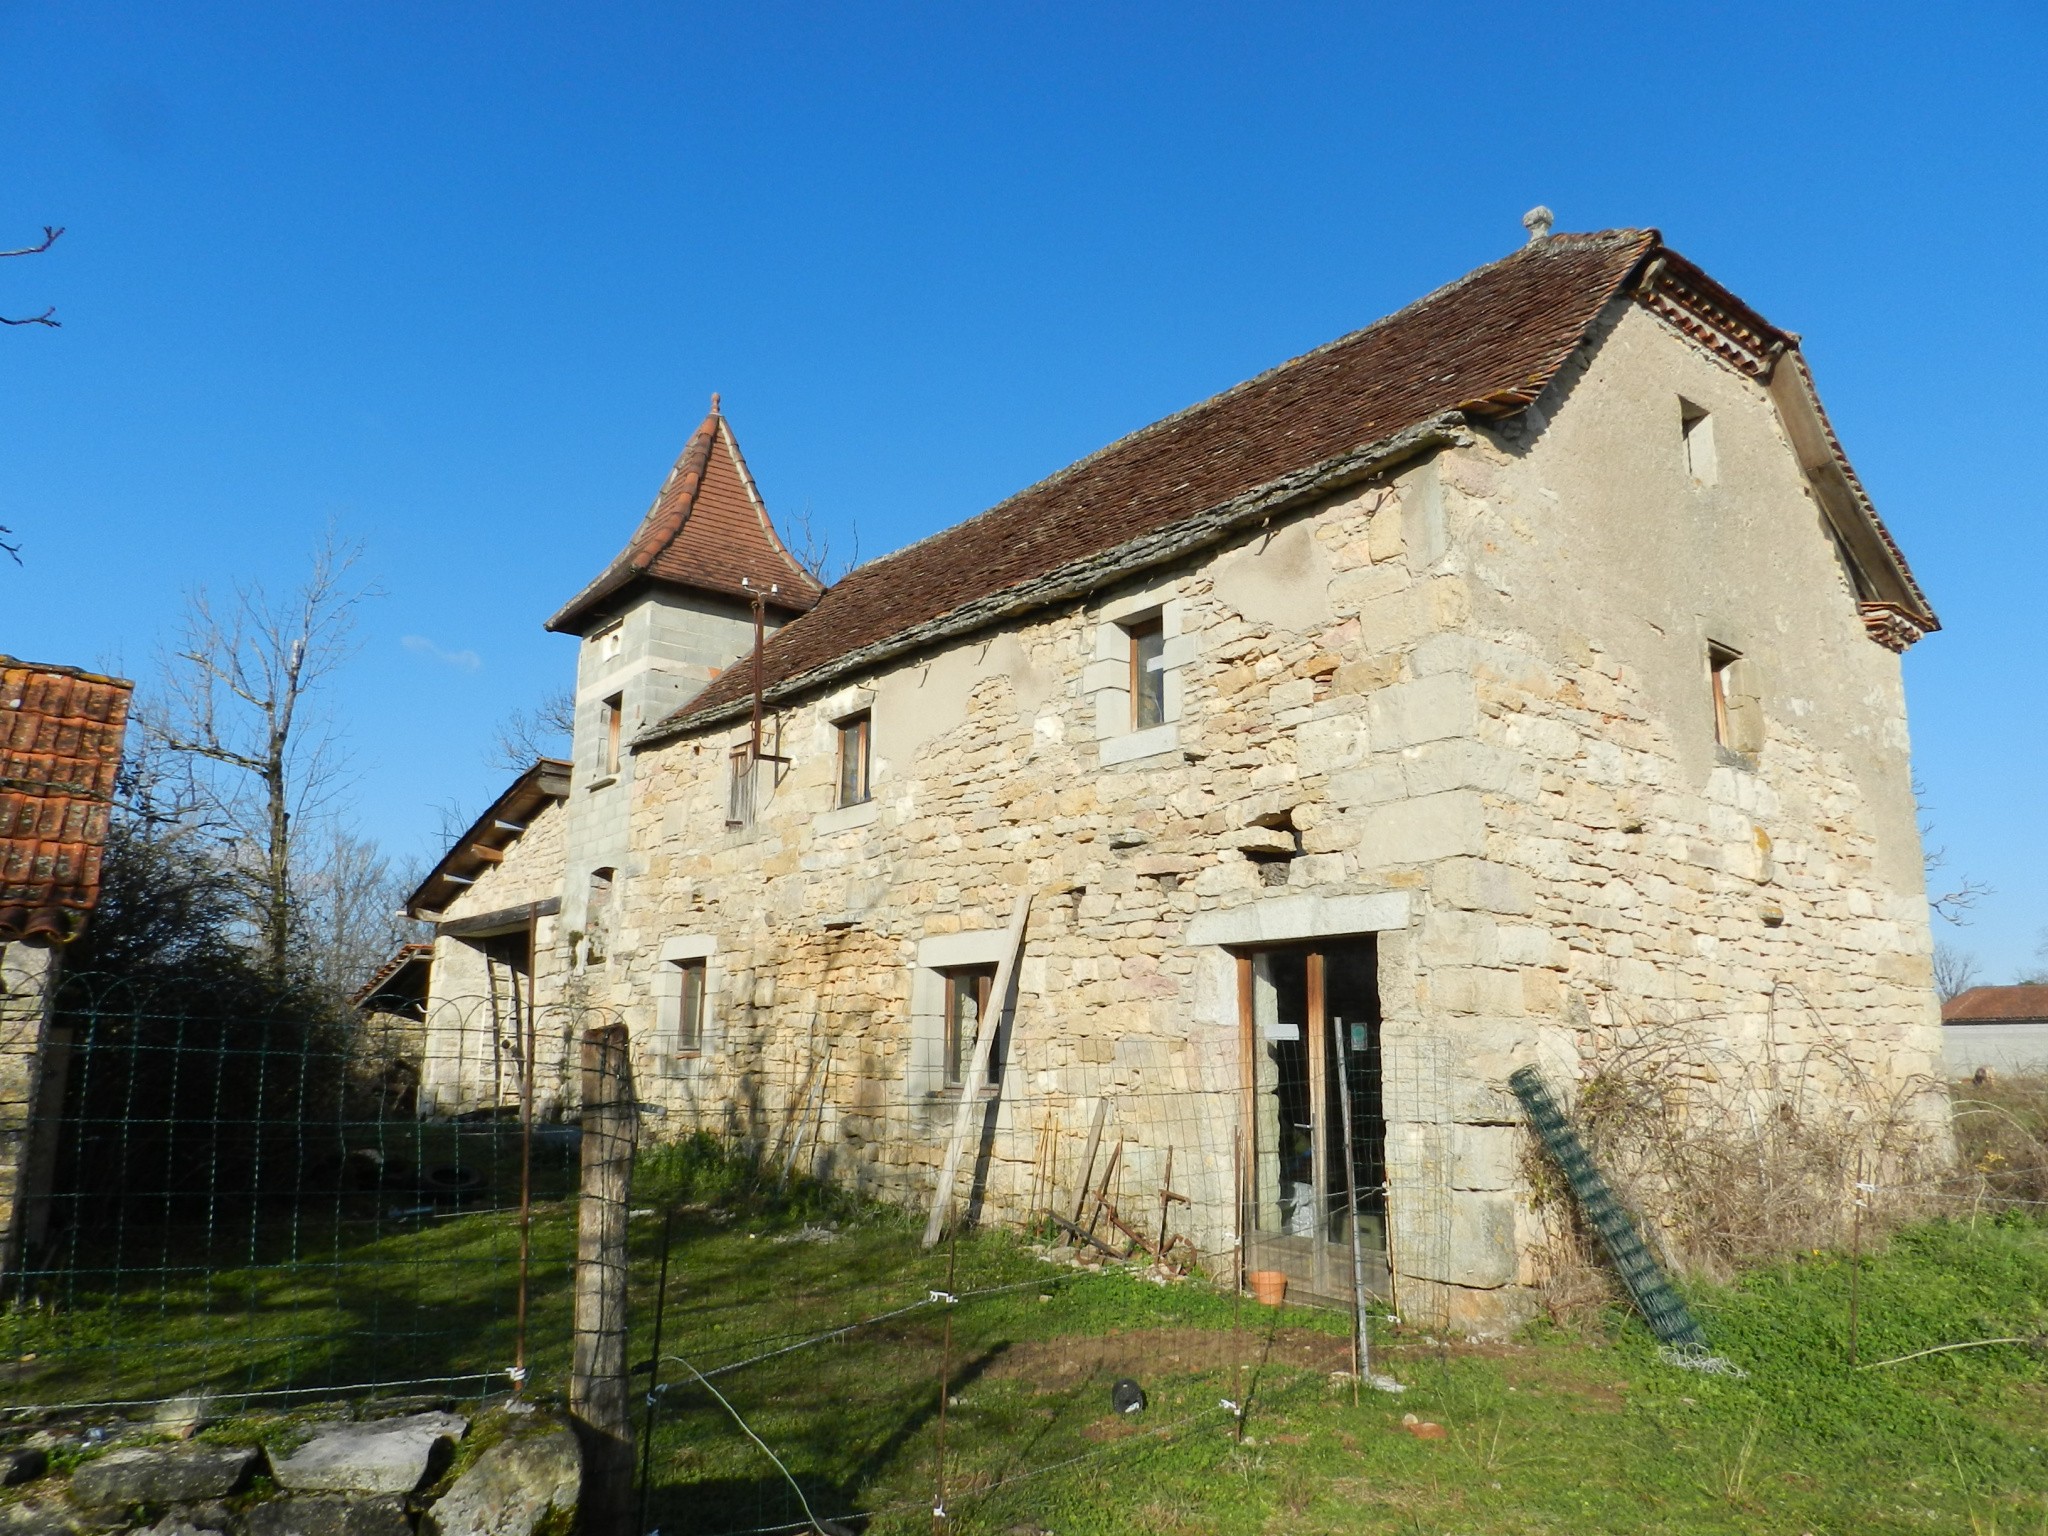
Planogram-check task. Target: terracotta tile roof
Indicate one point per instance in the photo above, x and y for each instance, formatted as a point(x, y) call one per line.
point(500, 826)
point(401, 981)
point(1485, 346)
point(60, 745)
point(708, 528)
point(1997, 1005)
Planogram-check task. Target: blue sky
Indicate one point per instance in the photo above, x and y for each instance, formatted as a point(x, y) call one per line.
point(461, 278)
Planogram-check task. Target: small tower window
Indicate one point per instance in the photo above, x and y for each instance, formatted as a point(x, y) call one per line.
point(612, 714)
point(1696, 433)
point(597, 911)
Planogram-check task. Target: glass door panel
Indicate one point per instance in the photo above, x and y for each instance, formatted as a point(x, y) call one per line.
point(1283, 1178)
point(1311, 1016)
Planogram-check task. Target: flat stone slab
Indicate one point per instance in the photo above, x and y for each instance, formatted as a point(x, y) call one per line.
point(512, 1487)
point(330, 1514)
point(40, 1517)
point(385, 1456)
point(164, 1474)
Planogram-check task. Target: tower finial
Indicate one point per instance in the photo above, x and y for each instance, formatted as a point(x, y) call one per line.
point(714, 402)
point(1538, 221)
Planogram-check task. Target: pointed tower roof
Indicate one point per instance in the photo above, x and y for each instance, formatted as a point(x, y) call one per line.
point(708, 529)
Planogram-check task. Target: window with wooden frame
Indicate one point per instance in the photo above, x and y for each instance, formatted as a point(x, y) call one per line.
point(739, 794)
point(1720, 661)
point(967, 998)
point(1148, 671)
point(690, 979)
point(854, 734)
point(1738, 712)
point(612, 717)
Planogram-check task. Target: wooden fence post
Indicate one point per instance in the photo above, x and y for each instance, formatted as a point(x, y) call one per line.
point(598, 1396)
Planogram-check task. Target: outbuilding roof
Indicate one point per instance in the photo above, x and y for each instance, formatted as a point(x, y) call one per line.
point(1483, 347)
point(708, 529)
point(489, 836)
point(60, 747)
point(2025, 1004)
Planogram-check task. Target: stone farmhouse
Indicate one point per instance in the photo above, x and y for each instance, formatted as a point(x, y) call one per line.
point(1524, 663)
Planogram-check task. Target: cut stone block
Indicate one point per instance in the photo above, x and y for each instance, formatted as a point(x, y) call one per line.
point(164, 1474)
point(386, 1456)
point(512, 1487)
point(330, 1514)
point(40, 1517)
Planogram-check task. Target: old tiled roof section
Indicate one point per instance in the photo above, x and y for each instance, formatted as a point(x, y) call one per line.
point(401, 978)
point(488, 838)
point(2023, 1004)
point(708, 529)
point(60, 747)
point(1486, 345)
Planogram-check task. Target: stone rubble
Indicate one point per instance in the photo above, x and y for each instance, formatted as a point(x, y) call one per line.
point(383, 1471)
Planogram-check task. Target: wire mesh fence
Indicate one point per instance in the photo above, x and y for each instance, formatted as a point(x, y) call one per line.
point(278, 1207)
point(246, 1205)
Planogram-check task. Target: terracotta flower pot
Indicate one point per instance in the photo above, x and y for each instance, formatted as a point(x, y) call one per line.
point(1269, 1286)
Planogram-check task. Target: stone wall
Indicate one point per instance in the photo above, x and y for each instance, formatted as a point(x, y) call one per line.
point(30, 1077)
point(394, 1467)
point(1464, 707)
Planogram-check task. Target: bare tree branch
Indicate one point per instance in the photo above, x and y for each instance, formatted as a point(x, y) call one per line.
point(524, 736)
point(1951, 906)
point(50, 237)
point(47, 317)
point(811, 547)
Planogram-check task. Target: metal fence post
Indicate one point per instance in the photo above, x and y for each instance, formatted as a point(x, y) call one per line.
point(597, 1384)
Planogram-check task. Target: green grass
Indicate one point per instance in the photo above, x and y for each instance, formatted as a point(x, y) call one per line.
point(1555, 1432)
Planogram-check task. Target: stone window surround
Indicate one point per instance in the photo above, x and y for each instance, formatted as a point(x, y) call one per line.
point(1219, 936)
point(1106, 679)
point(1303, 915)
point(935, 956)
point(668, 996)
point(839, 706)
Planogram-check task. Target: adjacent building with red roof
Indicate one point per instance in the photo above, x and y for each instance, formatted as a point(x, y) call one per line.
point(2000, 1029)
point(60, 749)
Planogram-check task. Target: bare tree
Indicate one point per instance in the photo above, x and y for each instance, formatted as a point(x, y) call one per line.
point(1955, 970)
point(527, 735)
point(347, 911)
point(238, 704)
point(811, 547)
point(2038, 976)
